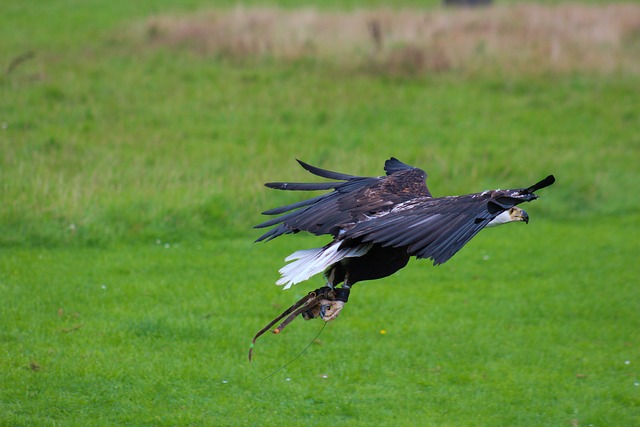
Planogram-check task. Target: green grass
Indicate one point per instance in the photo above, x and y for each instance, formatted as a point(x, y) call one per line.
point(130, 177)
point(150, 335)
point(120, 159)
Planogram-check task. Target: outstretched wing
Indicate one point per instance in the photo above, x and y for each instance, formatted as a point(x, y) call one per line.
point(437, 228)
point(353, 199)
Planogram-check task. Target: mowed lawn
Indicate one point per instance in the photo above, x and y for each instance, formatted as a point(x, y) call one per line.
point(131, 174)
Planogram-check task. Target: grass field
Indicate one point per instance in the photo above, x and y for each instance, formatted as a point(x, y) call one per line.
point(131, 171)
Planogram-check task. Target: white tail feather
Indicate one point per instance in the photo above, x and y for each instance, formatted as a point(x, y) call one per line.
point(310, 262)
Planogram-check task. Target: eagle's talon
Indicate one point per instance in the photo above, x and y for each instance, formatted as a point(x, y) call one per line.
point(332, 310)
point(323, 310)
point(326, 309)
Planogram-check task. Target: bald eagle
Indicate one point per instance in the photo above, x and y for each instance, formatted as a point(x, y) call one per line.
point(377, 224)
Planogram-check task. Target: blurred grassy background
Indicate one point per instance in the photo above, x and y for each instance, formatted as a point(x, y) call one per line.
point(127, 136)
point(131, 172)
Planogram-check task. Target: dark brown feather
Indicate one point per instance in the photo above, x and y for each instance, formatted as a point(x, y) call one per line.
point(352, 200)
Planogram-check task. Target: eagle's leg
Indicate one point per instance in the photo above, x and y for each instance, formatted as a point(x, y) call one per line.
point(330, 309)
point(329, 300)
point(329, 277)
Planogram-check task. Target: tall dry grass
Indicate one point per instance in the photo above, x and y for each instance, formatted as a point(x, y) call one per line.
point(520, 38)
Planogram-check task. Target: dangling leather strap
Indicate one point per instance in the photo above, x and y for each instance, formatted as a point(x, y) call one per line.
point(304, 304)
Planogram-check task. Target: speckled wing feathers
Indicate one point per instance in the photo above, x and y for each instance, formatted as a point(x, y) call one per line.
point(394, 210)
point(437, 228)
point(352, 200)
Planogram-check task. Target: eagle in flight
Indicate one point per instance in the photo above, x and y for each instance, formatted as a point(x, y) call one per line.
point(377, 224)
